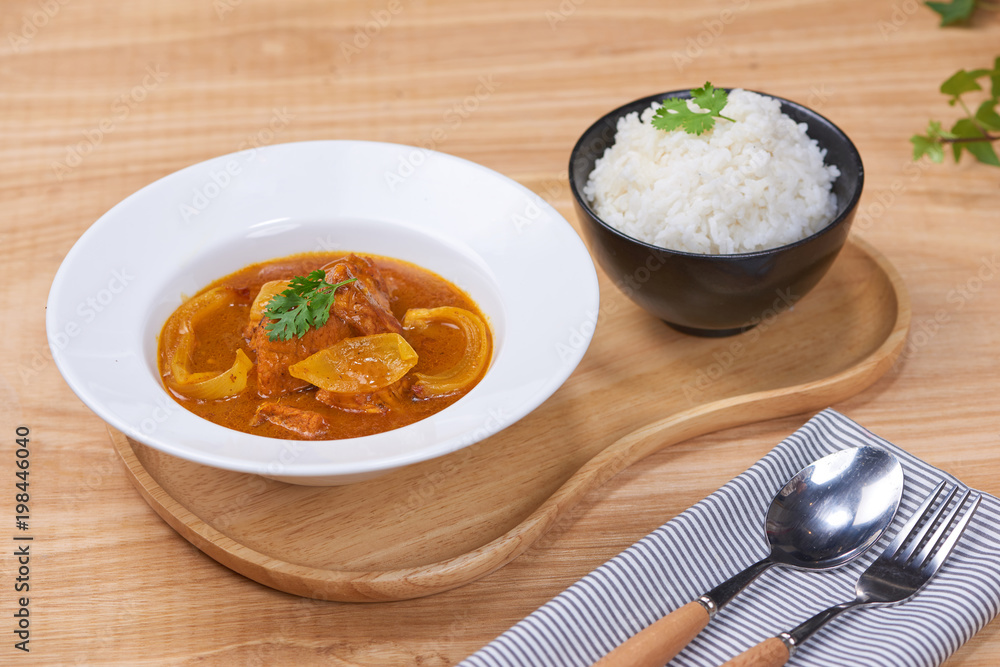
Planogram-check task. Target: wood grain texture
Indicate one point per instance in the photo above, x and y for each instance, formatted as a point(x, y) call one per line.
point(364, 542)
point(102, 98)
point(769, 653)
point(658, 643)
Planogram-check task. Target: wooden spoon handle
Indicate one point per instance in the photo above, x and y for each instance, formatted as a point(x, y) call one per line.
point(658, 643)
point(769, 653)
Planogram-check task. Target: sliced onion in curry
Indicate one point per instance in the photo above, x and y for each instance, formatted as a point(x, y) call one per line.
point(218, 385)
point(358, 365)
point(179, 343)
point(473, 361)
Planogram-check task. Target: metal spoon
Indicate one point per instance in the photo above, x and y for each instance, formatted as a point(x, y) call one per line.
point(828, 513)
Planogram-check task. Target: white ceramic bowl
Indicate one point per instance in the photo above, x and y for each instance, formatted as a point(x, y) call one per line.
point(513, 253)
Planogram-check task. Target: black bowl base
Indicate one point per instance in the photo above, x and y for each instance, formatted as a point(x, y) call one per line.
point(709, 333)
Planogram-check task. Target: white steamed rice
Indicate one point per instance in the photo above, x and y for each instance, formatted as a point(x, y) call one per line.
point(753, 184)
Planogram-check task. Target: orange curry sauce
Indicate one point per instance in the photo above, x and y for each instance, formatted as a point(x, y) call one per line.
point(218, 337)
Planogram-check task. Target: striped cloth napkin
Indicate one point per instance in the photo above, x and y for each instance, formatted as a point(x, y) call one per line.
point(724, 533)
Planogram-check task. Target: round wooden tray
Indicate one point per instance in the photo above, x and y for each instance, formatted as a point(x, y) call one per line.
point(443, 523)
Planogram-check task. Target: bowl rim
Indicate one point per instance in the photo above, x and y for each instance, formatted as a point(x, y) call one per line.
point(644, 102)
point(541, 384)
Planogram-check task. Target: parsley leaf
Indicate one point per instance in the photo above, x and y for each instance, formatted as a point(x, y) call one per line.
point(304, 304)
point(674, 112)
point(956, 11)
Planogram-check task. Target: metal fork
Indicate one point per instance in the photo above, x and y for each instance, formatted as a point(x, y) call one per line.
point(896, 574)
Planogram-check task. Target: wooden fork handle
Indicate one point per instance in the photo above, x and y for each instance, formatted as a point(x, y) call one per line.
point(769, 653)
point(657, 644)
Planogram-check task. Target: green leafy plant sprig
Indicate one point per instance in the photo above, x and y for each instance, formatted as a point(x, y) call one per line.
point(977, 131)
point(960, 11)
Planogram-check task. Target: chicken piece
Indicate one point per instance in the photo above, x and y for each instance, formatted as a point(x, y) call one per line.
point(359, 308)
point(377, 402)
point(366, 303)
point(306, 423)
point(275, 356)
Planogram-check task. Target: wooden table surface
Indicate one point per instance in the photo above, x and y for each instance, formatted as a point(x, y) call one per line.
point(99, 98)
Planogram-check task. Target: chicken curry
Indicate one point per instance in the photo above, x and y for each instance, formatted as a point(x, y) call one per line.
point(324, 346)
